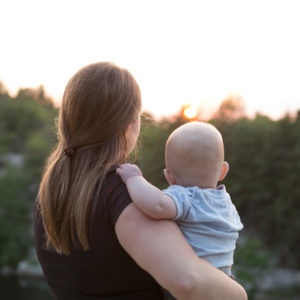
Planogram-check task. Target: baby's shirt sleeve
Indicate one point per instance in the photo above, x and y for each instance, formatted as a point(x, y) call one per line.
point(182, 199)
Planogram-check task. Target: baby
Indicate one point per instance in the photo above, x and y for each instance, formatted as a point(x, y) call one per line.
point(195, 163)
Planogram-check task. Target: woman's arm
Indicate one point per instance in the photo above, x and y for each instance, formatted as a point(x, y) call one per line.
point(159, 247)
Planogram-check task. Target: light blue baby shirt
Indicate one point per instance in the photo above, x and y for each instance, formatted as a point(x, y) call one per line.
point(208, 220)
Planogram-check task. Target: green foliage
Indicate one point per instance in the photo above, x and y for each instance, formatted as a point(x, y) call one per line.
point(26, 132)
point(264, 165)
point(251, 262)
point(22, 116)
point(291, 293)
point(152, 142)
point(252, 255)
point(14, 220)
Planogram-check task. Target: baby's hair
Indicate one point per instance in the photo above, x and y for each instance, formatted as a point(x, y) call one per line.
point(195, 153)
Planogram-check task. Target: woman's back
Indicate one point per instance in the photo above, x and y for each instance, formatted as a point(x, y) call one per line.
point(105, 271)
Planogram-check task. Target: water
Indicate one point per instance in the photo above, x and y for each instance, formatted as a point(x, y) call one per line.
point(14, 288)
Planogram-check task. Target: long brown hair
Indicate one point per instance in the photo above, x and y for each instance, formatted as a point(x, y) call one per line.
point(99, 103)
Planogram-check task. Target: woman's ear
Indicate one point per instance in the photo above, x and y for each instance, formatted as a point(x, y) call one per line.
point(169, 177)
point(224, 171)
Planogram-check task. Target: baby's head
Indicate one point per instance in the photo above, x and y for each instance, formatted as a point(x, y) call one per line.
point(195, 156)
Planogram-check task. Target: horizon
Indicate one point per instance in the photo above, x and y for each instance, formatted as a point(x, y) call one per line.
point(190, 112)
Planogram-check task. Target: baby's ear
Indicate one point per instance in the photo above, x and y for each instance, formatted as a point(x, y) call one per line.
point(224, 171)
point(169, 177)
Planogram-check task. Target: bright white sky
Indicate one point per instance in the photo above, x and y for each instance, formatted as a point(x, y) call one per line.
point(180, 52)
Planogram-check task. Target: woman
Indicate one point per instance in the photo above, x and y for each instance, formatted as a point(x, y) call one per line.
point(91, 241)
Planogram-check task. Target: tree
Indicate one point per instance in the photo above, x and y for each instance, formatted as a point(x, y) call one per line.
point(231, 109)
point(26, 131)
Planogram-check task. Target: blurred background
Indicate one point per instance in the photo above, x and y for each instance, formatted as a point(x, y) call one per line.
point(235, 64)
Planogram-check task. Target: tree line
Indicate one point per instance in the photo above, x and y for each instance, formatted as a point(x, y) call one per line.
point(263, 154)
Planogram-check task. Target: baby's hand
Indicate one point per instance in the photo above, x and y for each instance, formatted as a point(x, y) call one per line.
point(127, 171)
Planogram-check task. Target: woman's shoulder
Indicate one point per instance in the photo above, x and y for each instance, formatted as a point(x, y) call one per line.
point(113, 196)
point(112, 184)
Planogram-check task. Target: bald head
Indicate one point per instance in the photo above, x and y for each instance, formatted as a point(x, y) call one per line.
point(195, 154)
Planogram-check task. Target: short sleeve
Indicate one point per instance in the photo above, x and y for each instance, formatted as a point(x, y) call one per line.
point(118, 198)
point(182, 199)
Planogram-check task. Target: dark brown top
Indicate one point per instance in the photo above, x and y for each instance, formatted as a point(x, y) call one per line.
point(105, 271)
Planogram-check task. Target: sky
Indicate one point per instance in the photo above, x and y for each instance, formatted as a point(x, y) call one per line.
point(179, 51)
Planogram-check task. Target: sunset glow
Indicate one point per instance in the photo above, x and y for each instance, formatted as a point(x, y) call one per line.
point(190, 112)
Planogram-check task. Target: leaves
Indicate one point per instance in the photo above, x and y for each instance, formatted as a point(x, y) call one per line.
point(26, 137)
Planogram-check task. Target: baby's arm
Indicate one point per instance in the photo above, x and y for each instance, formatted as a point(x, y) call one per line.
point(149, 199)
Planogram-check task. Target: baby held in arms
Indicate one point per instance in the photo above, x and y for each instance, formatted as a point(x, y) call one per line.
point(194, 158)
